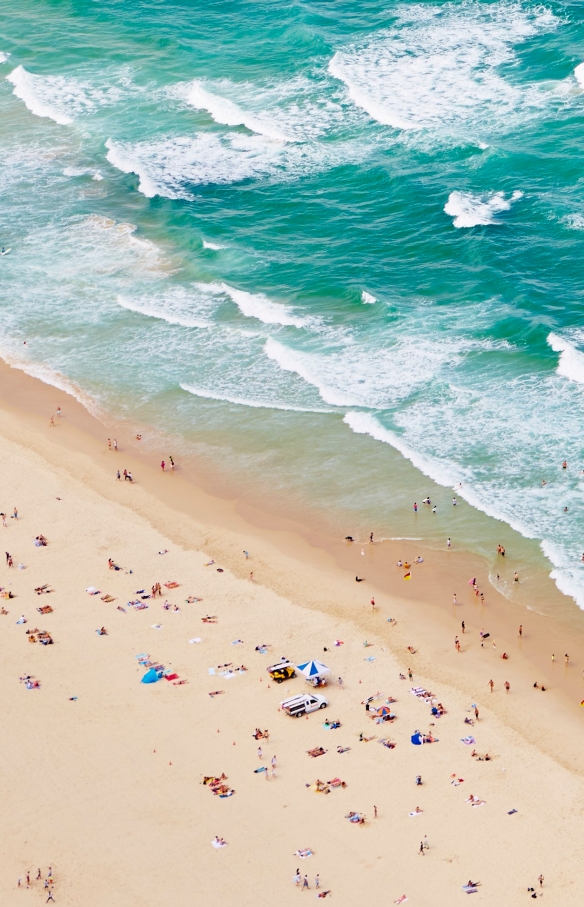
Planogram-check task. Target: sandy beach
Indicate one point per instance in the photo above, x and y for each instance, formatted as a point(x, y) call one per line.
point(103, 775)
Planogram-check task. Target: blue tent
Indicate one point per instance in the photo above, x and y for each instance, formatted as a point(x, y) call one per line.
point(416, 739)
point(150, 676)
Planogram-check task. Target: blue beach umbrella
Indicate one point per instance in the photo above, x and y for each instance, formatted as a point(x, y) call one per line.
point(313, 669)
point(416, 739)
point(150, 676)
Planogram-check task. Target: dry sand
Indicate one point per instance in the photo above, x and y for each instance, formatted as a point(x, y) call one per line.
point(106, 788)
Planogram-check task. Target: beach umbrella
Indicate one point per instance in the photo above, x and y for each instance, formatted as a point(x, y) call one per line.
point(313, 669)
point(383, 712)
point(416, 739)
point(150, 676)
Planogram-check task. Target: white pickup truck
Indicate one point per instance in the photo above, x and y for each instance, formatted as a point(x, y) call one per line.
point(303, 703)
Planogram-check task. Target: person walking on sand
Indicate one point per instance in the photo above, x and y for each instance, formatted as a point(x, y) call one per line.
point(540, 880)
point(374, 812)
point(515, 577)
point(109, 443)
point(251, 577)
point(118, 476)
point(448, 543)
point(421, 850)
point(463, 626)
point(305, 883)
point(297, 878)
point(116, 445)
point(260, 753)
point(520, 631)
point(507, 686)
point(370, 538)
point(162, 465)
point(491, 684)
point(52, 423)
point(317, 881)
point(476, 711)
point(373, 604)
point(50, 898)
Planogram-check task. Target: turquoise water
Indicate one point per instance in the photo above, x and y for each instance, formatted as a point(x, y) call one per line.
point(301, 237)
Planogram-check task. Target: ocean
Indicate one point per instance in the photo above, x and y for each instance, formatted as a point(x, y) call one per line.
point(334, 250)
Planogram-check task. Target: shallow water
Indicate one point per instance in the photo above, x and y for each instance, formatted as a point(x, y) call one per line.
point(306, 243)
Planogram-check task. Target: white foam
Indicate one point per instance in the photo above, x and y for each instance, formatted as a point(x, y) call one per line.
point(571, 364)
point(26, 87)
point(574, 221)
point(230, 114)
point(47, 375)
point(442, 473)
point(58, 98)
point(367, 298)
point(258, 305)
point(179, 307)
point(437, 67)
point(3, 57)
point(579, 74)
point(469, 210)
point(168, 166)
point(246, 401)
point(212, 245)
point(303, 365)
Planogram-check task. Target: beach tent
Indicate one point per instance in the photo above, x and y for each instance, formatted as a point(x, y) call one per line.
point(150, 676)
point(313, 669)
point(416, 739)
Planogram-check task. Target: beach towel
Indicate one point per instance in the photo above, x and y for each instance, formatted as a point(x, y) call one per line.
point(171, 676)
point(219, 843)
point(469, 741)
point(156, 626)
point(511, 812)
point(307, 852)
point(196, 639)
point(172, 585)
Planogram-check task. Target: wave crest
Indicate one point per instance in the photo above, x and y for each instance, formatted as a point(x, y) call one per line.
point(469, 210)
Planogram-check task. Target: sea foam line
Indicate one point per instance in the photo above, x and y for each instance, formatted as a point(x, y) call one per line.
point(228, 113)
point(53, 378)
point(258, 305)
point(245, 401)
point(26, 87)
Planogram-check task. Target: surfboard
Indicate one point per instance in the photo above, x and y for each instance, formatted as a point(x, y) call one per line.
point(5, 252)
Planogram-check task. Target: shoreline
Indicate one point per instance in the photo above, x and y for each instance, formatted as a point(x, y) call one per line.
point(225, 526)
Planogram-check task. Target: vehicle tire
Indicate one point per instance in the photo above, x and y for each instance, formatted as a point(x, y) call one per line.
point(322, 705)
point(299, 714)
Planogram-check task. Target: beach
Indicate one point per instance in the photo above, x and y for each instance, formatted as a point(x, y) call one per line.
point(103, 775)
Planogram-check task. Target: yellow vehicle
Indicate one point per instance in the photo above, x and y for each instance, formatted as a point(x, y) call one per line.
point(282, 671)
